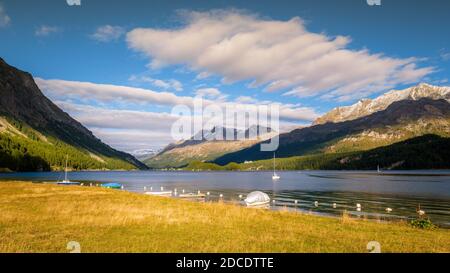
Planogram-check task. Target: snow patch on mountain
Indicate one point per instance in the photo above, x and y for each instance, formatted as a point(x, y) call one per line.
point(366, 107)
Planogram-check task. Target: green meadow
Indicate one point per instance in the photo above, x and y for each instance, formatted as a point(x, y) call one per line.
point(45, 217)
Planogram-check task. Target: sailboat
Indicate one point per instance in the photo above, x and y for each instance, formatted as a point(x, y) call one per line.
point(378, 169)
point(66, 181)
point(275, 176)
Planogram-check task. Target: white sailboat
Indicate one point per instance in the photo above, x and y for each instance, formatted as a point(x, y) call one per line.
point(275, 176)
point(67, 181)
point(378, 169)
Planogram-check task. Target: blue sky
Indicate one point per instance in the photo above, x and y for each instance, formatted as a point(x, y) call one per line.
point(308, 56)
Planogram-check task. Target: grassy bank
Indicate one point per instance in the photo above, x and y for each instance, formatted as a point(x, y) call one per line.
point(44, 218)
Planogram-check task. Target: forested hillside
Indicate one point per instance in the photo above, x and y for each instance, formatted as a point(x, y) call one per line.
point(36, 135)
point(424, 152)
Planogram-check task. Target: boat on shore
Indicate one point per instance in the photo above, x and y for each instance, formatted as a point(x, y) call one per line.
point(192, 195)
point(159, 193)
point(112, 185)
point(257, 199)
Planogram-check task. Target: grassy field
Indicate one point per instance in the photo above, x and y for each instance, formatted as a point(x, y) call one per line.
point(44, 218)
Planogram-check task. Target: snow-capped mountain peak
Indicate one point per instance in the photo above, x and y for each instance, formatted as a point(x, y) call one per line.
point(366, 107)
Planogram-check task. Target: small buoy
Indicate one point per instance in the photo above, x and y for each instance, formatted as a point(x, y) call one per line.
point(240, 196)
point(273, 201)
point(162, 188)
point(358, 205)
point(358, 209)
point(122, 187)
point(198, 192)
point(334, 205)
point(145, 188)
point(183, 190)
point(419, 211)
point(221, 195)
point(316, 203)
point(388, 210)
point(296, 201)
point(151, 188)
point(207, 193)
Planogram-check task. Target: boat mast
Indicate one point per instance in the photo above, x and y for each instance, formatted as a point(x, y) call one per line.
point(274, 163)
point(65, 170)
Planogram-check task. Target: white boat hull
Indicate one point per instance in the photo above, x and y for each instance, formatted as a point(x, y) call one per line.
point(68, 183)
point(159, 193)
point(258, 204)
point(191, 195)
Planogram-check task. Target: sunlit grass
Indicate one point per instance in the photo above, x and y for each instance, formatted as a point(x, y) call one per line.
point(44, 218)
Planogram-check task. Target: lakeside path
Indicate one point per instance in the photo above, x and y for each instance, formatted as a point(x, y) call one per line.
point(45, 217)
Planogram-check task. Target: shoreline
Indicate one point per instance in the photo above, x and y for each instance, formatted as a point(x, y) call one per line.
point(388, 172)
point(121, 221)
point(305, 205)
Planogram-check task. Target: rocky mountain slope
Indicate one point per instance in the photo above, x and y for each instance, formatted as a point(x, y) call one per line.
point(367, 106)
point(418, 153)
point(206, 145)
point(33, 129)
point(401, 120)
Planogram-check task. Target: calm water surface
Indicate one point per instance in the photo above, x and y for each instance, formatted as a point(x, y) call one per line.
point(402, 191)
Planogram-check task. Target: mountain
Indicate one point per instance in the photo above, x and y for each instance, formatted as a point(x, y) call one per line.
point(206, 145)
point(145, 154)
point(367, 106)
point(423, 152)
point(401, 120)
point(36, 134)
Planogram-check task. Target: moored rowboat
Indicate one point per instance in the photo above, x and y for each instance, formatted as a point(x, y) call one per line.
point(159, 193)
point(192, 195)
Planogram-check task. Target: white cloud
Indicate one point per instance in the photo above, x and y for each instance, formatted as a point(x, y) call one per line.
point(97, 117)
point(106, 93)
point(123, 129)
point(128, 130)
point(170, 84)
point(445, 55)
point(279, 55)
point(4, 18)
point(211, 93)
point(245, 99)
point(108, 33)
point(45, 30)
point(132, 140)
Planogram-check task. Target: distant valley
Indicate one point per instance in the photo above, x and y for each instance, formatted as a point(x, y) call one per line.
point(207, 146)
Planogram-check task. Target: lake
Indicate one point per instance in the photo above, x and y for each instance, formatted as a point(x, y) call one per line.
point(402, 191)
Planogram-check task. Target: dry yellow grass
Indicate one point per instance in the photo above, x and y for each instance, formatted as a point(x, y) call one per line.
point(44, 218)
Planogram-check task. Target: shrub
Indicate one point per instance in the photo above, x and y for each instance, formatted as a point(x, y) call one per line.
point(422, 223)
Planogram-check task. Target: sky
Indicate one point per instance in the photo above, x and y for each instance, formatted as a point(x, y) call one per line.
point(120, 67)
